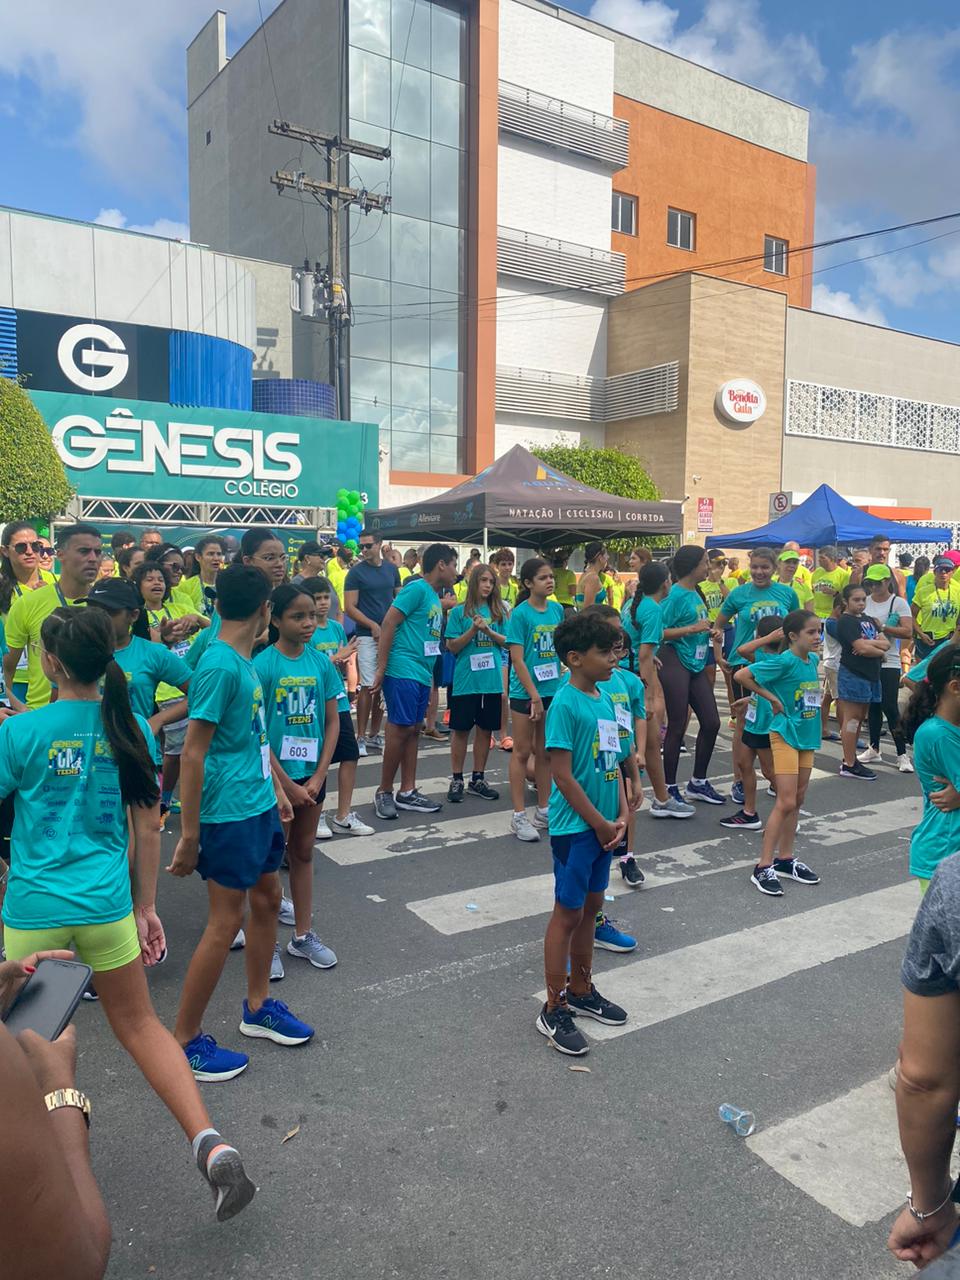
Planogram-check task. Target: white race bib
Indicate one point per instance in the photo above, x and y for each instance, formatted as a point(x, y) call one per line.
point(265, 758)
point(701, 652)
point(24, 660)
point(624, 718)
point(481, 662)
point(181, 648)
point(299, 750)
point(546, 671)
point(812, 698)
point(609, 737)
point(751, 714)
point(431, 648)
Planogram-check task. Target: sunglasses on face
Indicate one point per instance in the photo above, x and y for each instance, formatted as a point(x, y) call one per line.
point(367, 546)
point(21, 548)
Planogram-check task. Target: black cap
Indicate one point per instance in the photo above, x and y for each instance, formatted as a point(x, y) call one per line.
point(115, 594)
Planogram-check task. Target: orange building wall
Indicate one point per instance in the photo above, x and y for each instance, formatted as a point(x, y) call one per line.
point(739, 191)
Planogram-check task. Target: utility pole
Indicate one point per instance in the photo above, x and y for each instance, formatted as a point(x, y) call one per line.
point(336, 199)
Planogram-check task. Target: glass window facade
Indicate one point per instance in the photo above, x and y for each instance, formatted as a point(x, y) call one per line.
point(407, 91)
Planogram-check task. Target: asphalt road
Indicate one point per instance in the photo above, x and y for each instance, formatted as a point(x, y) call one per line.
point(440, 1136)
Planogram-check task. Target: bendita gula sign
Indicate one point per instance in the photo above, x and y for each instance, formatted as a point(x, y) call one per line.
point(166, 453)
point(741, 401)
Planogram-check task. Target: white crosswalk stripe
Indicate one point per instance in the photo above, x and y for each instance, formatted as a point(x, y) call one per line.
point(533, 895)
point(677, 982)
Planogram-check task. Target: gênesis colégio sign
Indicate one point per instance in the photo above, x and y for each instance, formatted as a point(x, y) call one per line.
point(139, 449)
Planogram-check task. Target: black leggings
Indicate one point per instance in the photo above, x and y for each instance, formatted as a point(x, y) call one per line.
point(683, 689)
point(890, 688)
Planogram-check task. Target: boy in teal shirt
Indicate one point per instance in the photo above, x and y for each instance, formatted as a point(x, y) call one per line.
point(588, 819)
point(231, 829)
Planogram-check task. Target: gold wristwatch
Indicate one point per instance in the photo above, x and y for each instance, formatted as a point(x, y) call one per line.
point(69, 1098)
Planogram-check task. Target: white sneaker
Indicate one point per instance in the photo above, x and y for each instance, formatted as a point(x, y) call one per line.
point(523, 828)
point(239, 942)
point(361, 747)
point(323, 830)
point(286, 915)
point(869, 756)
point(541, 818)
point(351, 826)
point(904, 763)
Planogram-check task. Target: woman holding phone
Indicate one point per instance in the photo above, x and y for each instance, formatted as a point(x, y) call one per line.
point(80, 769)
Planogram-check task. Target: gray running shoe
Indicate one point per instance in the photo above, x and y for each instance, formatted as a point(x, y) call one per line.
point(384, 805)
point(523, 828)
point(286, 912)
point(671, 808)
point(541, 819)
point(417, 803)
point(374, 744)
point(309, 947)
point(276, 965)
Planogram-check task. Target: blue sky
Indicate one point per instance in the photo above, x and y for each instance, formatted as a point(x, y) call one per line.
point(92, 121)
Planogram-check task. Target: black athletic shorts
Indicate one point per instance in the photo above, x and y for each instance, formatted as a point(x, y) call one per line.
point(483, 710)
point(756, 741)
point(522, 705)
point(346, 748)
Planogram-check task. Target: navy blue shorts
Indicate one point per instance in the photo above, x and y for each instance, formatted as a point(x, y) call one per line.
point(580, 866)
point(406, 700)
point(236, 854)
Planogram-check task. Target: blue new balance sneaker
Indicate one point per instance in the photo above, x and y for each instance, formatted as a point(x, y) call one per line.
point(609, 938)
point(736, 793)
point(274, 1021)
point(211, 1063)
point(703, 791)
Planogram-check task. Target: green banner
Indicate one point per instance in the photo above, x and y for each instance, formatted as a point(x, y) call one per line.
point(168, 453)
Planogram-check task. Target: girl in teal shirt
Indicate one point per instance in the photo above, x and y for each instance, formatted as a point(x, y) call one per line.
point(790, 682)
point(301, 689)
point(80, 767)
point(475, 634)
point(933, 717)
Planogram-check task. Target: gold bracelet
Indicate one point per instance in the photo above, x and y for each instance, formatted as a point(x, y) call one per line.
point(69, 1098)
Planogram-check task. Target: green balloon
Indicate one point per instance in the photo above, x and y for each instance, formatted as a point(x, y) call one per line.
point(352, 544)
point(342, 494)
point(354, 495)
point(343, 512)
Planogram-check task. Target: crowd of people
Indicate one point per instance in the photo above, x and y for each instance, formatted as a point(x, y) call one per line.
point(223, 682)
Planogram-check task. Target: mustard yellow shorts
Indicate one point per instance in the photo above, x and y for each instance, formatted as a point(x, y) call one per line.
point(101, 946)
point(787, 759)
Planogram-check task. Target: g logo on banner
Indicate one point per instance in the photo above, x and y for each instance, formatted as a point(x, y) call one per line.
point(114, 362)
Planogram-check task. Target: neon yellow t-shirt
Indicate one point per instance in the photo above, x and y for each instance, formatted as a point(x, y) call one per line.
point(23, 624)
point(565, 585)
point(938, 609)
point(825, 584)
point(803, 592)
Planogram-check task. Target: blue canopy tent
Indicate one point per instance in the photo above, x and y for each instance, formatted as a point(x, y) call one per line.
point(826, 519)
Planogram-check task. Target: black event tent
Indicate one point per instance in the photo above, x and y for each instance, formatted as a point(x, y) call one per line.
point(518, 501)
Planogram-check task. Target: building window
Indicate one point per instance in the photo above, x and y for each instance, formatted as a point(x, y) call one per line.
point(680, 229)
point(775, 255)
point(624, 217)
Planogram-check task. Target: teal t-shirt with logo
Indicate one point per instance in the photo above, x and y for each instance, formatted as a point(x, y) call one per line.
point(330, 640)
point(936, 755)
point(681, 608)
point(748, 604)
point(646, 628)
point(625, 691)
point(69, 842)
point(479, 665)
point(146, 666)
point(533, 631)
point(295, 694)
point(416, 641)
point(226, 691)
point(586, 727)
point(796, 683)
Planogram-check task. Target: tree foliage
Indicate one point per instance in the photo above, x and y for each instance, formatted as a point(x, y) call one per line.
point(33, 483)
point(608, 470)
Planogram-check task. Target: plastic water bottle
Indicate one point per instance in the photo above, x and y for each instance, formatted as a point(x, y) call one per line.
point(741, 1122)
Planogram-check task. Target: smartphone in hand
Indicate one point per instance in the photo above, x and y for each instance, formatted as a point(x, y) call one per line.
point(48, 999)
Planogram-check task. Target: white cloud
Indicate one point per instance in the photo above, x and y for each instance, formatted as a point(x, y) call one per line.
point(730, 37)
point(165, 227)
point(121, 68)
point(837, 302)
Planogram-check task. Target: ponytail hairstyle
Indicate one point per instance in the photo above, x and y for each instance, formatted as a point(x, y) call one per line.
point(793, 624)
point(81, 640)
point(944, 667)
point(494, 600)
point(649, 581)
point(686, 559)
point(8, 579)
point(528, 571)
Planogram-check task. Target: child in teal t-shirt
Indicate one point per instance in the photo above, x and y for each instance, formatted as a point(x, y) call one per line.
point(476, 636)
point(588, 818)
point(789, 681)
point(684, 608)
point(755, 743)
point(416, 641)
point(933, 716)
